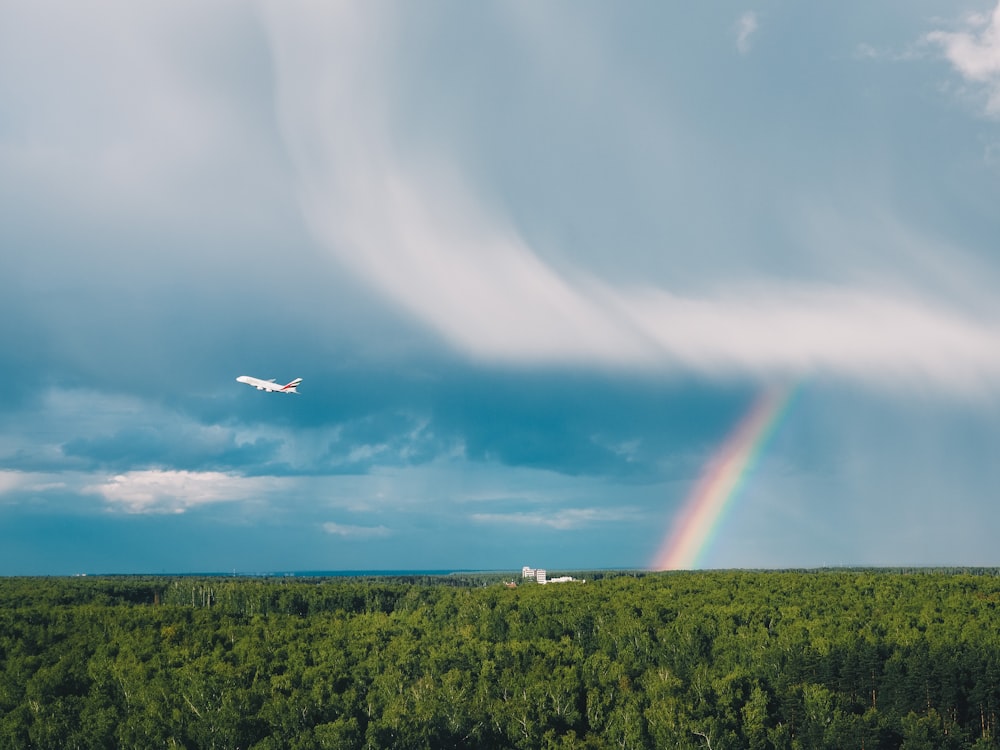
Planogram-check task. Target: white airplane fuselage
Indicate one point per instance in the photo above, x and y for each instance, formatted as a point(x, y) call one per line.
point(269, 385)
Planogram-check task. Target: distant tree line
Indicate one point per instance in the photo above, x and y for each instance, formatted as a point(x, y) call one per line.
point(721, 660)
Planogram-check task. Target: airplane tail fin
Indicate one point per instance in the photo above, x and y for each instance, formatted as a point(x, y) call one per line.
point(290, 387)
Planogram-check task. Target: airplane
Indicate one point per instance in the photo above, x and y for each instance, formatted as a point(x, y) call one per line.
point(269, 385)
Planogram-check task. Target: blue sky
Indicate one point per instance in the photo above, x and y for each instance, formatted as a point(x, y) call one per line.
point(534, 262)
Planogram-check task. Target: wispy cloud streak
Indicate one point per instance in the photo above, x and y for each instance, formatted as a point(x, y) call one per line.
point(563, 519)
point(411, 227)
point(349, 531)
point(745, 28)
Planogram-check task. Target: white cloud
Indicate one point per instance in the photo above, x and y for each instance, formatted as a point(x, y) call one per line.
point(975, 53)
point(411, 227)
point(156, 491)
point(745, 28)
point(348, 531)
point(804, 330)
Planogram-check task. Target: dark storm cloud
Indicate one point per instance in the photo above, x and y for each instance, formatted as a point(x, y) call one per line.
point(584, 424)
point(351, 421)
point(409, 413)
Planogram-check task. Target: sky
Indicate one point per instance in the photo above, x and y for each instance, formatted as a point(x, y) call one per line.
point(535, 262)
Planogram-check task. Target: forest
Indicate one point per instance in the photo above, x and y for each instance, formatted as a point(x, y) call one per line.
point(718, 660)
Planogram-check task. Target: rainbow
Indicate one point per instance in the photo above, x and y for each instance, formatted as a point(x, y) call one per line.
point(721, 481)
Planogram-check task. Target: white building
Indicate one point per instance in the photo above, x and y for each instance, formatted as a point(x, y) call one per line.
point(540, 575)
point(537, 573)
